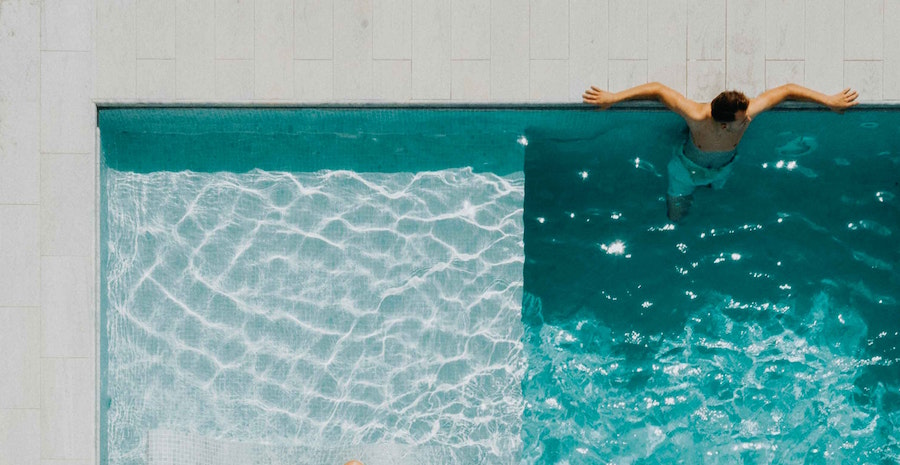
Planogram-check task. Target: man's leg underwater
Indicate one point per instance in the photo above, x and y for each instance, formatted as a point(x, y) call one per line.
point(679, 193)
point(677, 207)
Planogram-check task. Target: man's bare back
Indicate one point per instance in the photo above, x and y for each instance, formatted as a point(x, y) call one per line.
point(715, 138)
point(718, 139)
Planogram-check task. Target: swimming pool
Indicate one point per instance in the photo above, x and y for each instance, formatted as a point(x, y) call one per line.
point(494, 286)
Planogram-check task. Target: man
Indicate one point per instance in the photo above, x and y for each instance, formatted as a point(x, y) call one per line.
point(715, 129)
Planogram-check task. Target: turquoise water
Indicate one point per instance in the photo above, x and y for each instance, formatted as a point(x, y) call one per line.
point(763, 329)
point(495, 286)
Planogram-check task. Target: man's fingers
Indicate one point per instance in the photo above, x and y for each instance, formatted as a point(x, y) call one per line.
point(594, 96)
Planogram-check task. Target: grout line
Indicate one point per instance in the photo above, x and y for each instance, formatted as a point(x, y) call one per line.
point(175, 52)
point(726, 45)
point(215, 51)
point(647, 37)
point(64, 154)
point(490, 50)
point(293, 49)
point(96, 255)
point(133, 17)
point(333, 56)
point(569, 51)
point(803, 38)
point(843, 45)
point(450, 33)
point(843, 38)
point(253, 48)
point(608, 3)
point(40, 162)
point(411, 25)
point(215, 92)
point(687, 37)
point(646, 40)
point(66, 50)
point(765, 44)
point(529, 52)
point(411, 34)
point(41, 27)
point(371, 19)
point(687, 31)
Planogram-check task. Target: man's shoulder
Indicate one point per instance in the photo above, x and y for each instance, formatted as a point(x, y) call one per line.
point(702, 114)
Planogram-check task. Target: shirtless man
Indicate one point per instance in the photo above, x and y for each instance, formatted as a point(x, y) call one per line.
point(715, 130)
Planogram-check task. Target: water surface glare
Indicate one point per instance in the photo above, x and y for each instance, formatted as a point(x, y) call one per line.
point(763, 328)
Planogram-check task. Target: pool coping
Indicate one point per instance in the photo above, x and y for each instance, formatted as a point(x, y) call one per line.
point(627, 106)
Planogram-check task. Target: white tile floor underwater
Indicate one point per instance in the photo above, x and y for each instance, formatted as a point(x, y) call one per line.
point(59, 57)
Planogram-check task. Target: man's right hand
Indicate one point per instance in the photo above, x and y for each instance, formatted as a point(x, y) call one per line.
point(601, 98)
point(843, 100)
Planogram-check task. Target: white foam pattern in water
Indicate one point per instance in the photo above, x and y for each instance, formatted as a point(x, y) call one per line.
point(738, 385)
point(331, 308)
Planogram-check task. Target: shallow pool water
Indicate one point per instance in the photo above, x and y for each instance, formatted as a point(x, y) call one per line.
point(324, 308)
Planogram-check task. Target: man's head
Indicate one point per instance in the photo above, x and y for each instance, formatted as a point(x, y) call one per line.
point(727, 104)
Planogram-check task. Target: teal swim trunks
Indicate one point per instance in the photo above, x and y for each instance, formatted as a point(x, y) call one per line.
point(685, 174)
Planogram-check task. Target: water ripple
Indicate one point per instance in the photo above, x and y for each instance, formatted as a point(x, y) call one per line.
point(733, 386)
point(331, 307)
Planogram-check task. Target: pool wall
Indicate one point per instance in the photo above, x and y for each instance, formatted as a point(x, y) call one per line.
point(63, 58)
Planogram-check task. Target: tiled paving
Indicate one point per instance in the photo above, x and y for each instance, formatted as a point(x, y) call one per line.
point(59, 56)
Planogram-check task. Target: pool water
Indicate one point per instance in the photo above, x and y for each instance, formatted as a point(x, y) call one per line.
point(763, 329)
point(495, 286)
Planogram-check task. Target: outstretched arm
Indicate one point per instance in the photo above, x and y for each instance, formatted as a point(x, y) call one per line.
point(768, 99)
point(674, 101)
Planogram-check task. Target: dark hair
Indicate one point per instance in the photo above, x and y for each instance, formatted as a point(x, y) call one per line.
point(726, 104)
